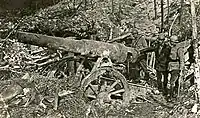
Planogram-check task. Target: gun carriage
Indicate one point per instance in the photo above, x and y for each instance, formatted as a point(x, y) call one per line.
point(105, 82)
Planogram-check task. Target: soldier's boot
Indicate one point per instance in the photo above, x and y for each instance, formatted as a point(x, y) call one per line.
point(165, 91)
point(175, 90)
point(159, 81)
point(171, 93)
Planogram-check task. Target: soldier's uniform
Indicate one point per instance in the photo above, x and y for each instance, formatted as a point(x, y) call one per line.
point(176, 64)
point(140, 43)
point(162, 59)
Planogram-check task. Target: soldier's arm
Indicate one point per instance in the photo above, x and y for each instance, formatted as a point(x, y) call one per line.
point(144, 42)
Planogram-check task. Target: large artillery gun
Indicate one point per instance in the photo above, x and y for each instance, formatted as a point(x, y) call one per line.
point(104, 82)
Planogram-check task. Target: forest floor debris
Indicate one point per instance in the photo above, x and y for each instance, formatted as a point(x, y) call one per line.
point(40, 95)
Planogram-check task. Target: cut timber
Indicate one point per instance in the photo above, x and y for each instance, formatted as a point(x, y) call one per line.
point(118, 52)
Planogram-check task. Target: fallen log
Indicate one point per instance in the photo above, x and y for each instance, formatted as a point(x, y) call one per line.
point(117, 52)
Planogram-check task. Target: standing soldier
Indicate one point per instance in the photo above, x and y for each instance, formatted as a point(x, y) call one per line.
point(134, 40)
point(138, 69)
point(176, 65)
point(162, 60)
point(138, 41)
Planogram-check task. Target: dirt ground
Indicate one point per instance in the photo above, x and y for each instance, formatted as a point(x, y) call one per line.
point(33, 96)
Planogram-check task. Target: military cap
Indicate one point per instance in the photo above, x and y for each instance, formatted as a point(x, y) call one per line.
point(161, 36)
point(134, 31)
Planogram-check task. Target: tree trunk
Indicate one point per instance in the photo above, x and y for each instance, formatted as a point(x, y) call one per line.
point(162, 16)
point(112, 2)
point(196, 52)
point(74, 4)
point(167, 11)
point(155, 9)
point(85, 4)
point(181, 11)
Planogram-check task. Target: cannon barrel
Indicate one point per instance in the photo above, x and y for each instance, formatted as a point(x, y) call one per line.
point(117, 52)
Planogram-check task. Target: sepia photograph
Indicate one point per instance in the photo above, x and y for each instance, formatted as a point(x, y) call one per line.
point(99, 59)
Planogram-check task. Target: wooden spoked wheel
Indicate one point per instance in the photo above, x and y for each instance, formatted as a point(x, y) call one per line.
point(106, 85)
